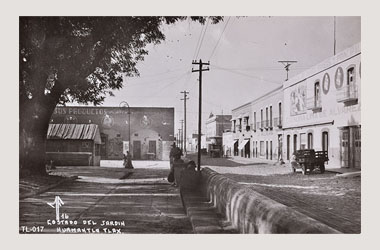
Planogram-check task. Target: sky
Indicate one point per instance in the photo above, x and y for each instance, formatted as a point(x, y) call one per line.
point(243, 53)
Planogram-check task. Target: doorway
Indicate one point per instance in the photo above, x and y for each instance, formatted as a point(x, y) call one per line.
point(136, 150)
point(152, 149)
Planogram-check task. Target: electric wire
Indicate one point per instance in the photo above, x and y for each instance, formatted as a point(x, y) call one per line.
point(217, 43)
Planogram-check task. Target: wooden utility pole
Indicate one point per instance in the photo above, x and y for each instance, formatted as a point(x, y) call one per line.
point(184, 117)
point(287, 65)
point(182, 141)
point(179, 138)
point(200, 63)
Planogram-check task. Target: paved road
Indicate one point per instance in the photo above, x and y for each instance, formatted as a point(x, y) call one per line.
point(108, 200)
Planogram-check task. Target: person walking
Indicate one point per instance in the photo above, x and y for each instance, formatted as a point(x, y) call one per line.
point(128, 161)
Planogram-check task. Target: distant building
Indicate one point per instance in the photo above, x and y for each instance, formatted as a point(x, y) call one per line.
point(215, 126)
point(318, 109)
point(151, 129)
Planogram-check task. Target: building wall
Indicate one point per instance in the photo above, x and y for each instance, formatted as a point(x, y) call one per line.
point(149, 127)
point(305, 111)
point(323, 100)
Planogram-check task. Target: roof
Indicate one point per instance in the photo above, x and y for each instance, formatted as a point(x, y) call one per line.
point(74, 132)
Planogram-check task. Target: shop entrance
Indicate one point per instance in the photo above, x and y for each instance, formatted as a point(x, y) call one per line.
point(350, 147)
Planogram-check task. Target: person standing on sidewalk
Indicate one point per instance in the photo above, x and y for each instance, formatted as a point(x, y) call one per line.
point(175, 154)
point(128, 161)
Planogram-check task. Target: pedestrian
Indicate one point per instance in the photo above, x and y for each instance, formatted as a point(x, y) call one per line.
point(174, 155)
point(128, 161)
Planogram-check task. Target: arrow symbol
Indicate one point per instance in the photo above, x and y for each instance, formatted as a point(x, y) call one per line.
point(56, 204)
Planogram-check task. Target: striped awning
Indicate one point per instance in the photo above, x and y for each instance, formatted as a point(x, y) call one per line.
point(242, 144)
point(74, 132)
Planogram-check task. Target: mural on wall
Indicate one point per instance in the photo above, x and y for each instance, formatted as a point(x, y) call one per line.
point(298, 100)
point(107, 121)
point(326, 83)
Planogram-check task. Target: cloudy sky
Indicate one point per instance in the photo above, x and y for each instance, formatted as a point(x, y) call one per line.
point(243, 54)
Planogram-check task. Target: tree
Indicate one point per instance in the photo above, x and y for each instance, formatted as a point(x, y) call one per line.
point(81, 59)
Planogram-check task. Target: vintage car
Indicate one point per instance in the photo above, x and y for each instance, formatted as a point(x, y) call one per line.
point(308, 159)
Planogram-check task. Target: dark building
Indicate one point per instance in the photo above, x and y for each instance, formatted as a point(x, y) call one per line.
point(151, 129)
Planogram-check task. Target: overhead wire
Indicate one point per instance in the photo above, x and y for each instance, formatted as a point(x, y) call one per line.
point(217, 43)
point(204, 33)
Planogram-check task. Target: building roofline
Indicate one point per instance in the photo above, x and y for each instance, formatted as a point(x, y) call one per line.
point(259, 98)
point(326, 64)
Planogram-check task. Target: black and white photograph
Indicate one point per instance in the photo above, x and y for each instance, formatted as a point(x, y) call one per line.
point(208, 123)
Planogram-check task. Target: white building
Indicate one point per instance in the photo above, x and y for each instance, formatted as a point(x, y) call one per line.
point(317, 109)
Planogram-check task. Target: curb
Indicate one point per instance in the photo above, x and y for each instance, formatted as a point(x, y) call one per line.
point(43, 190)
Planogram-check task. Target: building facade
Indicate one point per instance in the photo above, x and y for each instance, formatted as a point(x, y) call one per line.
point(318, 109)
point(215, 126)
point(322, 109)
point(256, 128)
point(150, 130)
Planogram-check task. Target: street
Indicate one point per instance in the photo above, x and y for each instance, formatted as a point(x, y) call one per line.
point(325, 197)
point(107, 200)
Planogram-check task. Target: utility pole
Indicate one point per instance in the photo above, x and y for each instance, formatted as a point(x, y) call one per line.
point(182, 141)
point(287, 65)
point(200, 63)
point(184, 117)
point(179, 138)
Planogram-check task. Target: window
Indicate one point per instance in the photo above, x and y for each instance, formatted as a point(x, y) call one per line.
point(266, 149)
point(288, 147)
point(294, 143)
point(325, 141)
point(271, 150)
point(262, 119)
point(254, 120)
point(302, 141)
point(270, 117)
point(317, 95)
point(350, 75)
point(266, 117)
point(310, 140)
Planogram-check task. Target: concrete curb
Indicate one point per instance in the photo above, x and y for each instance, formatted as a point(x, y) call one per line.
point(251, 212)
point(45, 189)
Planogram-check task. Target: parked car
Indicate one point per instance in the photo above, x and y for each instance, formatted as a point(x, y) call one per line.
point(308, 159)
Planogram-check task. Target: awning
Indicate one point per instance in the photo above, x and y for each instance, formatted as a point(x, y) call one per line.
point(242, 144)
point(235, 141)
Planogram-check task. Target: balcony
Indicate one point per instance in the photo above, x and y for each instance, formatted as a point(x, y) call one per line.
point(348, 93)
point(277, 122)
point(314, 104)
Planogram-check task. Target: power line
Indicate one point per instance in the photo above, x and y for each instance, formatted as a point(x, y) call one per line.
point(204, 33)
point(225, 26)
point(250, 76)
point(199, 39)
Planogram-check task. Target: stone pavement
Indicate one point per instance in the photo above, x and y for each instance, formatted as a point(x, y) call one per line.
point(107, 200)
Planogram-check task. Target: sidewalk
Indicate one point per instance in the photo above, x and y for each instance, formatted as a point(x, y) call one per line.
point(138, 201)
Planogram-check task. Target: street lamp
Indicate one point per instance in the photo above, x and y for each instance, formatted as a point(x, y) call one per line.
point(124, 104)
